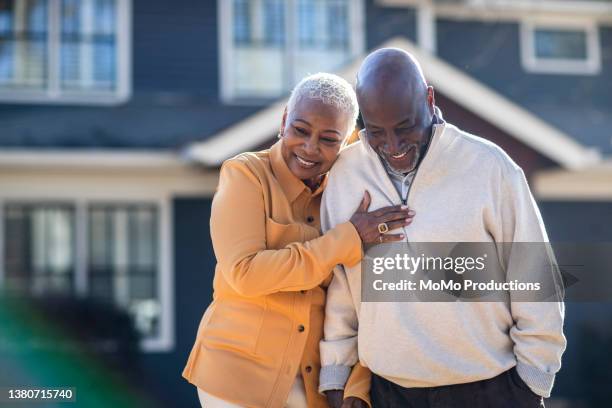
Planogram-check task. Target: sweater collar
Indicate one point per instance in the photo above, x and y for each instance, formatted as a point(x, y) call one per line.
point(291, 185)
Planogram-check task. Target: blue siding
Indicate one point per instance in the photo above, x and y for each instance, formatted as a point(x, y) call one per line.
point(580, 105)
point(175, 96)
point(194, 268)
point(586, 365)
point(175, 47)
point(383, 23)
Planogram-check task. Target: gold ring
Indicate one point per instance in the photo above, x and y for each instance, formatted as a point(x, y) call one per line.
point(383, 227)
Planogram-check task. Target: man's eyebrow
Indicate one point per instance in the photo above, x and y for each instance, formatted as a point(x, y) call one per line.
point(302, 120)
point(407, 121)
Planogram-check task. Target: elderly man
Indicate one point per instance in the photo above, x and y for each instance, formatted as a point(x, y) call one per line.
point(463, 189)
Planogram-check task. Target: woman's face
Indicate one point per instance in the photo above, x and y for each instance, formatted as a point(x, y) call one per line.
point(311, 137)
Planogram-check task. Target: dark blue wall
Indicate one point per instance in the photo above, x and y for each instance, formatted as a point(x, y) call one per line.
point(383, 23)
point(193, 273)
point(175, 97)
point(490, 52)
point(175, 47)
point(585, 371)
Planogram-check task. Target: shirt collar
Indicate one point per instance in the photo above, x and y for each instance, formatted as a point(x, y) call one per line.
point(291, 185)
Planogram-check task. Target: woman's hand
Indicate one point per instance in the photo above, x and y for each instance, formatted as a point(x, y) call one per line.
point(366, 223)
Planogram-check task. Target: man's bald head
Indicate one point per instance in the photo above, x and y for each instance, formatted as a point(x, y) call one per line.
point(397, 107)
point(389, 69)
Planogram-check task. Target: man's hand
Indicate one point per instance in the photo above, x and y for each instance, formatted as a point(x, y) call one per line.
point(334, 398)
point(354, 402)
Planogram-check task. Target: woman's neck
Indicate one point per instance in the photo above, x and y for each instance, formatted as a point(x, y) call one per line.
point(313, 183)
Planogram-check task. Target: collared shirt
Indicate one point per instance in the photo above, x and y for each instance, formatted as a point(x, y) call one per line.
point(402, 181)
point(273, 266)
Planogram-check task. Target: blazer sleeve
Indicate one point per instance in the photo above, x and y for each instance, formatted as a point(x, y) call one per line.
point(238, 231)
point(358, 384)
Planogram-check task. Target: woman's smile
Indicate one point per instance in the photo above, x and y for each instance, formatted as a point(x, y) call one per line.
point(307, 164)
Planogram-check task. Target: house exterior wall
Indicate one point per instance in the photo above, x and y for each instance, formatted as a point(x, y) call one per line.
point(194, 264)
point(491, 52)
point(174, 98)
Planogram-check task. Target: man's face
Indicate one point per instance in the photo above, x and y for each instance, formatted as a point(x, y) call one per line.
point(397, 125)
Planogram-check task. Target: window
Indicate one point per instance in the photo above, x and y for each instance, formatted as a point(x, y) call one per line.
point(270, 45)
point(64, 50)
point(121, 253)
point(560, 48)
point(39, 256)
point(123, 261)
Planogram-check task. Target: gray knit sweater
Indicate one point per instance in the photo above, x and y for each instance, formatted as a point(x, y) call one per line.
point(466, 190)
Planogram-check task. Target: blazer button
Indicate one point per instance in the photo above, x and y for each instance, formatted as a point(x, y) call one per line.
point(310, 219)
point(308, 369)
point(301, 328)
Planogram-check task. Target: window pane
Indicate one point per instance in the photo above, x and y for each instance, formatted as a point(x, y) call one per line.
point(265, 64)
point(561, 44)
point(88, 49)
point(39, 248)
point(323, 24)
point(338, 25)
point(259, 63)
point(23, 43)
point(124, 260)
point(242, 22)
point(307, 23)
point(323, 27)
point(274, 22)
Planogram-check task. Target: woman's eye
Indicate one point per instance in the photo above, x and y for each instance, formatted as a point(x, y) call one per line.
point(329, 140)
point(301, 130)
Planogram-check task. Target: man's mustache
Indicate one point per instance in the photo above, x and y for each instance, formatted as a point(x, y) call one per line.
point(404, 149)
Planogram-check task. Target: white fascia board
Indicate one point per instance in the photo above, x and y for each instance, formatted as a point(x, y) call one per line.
point(593, 183)
point(561, 6)
point(90, 159)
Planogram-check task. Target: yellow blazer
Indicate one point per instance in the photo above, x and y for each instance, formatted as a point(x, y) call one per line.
point(273, 267)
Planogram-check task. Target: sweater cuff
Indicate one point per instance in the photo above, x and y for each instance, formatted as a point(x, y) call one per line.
point(352, 240)
point(539, 381)
point(333, 377)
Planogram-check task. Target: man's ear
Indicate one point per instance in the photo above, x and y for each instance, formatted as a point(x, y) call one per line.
point(431, 99)
point(282, 128)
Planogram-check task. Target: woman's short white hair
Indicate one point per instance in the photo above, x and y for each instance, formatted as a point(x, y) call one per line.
point(329, 89)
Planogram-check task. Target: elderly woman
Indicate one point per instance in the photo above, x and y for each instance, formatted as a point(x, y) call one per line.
point(258, 342)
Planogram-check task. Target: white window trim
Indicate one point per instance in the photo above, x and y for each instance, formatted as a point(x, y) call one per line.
point(590, 66)
point(225, 42)
point(164, 341)
point(53, 94)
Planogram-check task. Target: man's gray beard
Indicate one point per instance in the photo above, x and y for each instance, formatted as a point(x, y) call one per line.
point(403, 171)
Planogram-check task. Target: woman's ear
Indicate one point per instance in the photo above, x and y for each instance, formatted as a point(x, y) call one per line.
point(282, 128)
